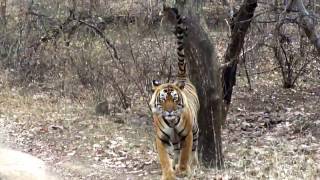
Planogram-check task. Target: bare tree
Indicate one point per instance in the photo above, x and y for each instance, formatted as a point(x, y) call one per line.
point(293, 60)
point(239, 26)
point(306, 21)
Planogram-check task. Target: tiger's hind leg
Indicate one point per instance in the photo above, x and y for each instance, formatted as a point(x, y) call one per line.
point(194, 160)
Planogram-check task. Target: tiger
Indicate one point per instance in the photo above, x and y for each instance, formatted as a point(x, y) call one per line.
point(175, 109)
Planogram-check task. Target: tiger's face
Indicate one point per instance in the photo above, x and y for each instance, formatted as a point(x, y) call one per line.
point(168, 101)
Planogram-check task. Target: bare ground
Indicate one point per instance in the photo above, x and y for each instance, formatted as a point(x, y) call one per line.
point(271, 133)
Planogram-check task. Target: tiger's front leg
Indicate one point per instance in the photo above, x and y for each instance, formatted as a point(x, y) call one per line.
point(183, 168)
point(165, 162)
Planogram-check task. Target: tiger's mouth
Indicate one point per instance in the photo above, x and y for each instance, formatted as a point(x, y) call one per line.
point(171, 120)
point(170, 117)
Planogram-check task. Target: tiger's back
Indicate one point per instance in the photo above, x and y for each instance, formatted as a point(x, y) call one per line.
point(190, 92)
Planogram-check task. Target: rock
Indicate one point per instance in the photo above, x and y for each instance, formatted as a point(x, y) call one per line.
point(102, 108)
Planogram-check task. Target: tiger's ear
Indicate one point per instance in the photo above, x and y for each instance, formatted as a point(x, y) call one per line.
point(180, 84)
point(155, 84)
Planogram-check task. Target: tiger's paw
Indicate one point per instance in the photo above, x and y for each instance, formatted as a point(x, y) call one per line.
point(168, 176)
point(182, 171)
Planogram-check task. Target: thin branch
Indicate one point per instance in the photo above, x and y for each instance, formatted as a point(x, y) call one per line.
point(106, 40)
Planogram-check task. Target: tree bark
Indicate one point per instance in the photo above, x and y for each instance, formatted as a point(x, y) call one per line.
point(239, 26)
point(204, 73)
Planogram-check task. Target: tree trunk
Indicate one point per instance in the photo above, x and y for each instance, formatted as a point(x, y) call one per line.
point(204, 73)
point(239, 27)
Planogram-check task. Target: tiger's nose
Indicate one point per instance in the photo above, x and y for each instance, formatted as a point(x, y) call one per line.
point(170, 113)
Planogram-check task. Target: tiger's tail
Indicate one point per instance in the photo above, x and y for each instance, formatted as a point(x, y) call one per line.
point(180, 32)
point(172, 14)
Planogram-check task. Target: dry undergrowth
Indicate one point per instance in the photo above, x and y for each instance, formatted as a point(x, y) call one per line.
point(269, 135)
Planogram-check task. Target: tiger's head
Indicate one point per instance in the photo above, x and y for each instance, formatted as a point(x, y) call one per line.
point(168, 100)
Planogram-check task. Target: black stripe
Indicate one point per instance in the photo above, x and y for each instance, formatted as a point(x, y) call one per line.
point(181, 60)
point(196, 132)
point(179, 36)
point(181, 68)
point(177, 122)
point(180, 54)
point(165, 121)
point(161, 124)
point(181, 63)
point(179, 30)
point(180, 41)
point(180, 48)
point(165, 133)
point(182, 138)
point(179, 133)
point(179, 20)
point(164, 141)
